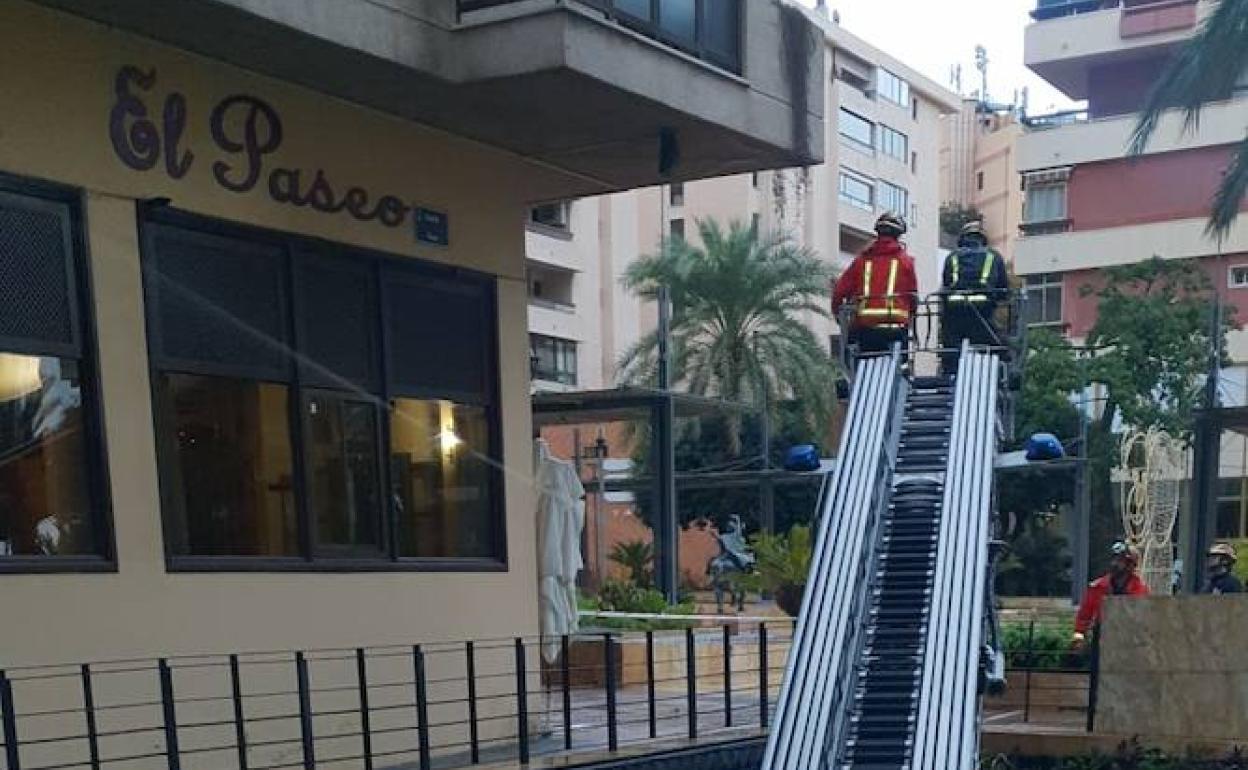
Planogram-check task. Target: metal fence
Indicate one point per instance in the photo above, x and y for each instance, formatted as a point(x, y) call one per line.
point(1048, 680)
point(422, 706)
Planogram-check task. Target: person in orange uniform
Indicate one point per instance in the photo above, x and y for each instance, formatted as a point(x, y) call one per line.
point(1121, 580)
point(879, 289)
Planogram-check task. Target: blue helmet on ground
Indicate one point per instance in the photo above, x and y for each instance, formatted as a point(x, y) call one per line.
point(803, 457)
point(1044, 446)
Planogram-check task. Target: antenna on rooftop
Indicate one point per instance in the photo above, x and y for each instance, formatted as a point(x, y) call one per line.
point(981, 64)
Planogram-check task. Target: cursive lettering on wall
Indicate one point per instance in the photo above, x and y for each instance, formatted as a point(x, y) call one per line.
point(135, 138)
point(247, 132)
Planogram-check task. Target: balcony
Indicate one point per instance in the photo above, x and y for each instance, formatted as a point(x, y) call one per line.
point(615, 94)
point(1058, 252)
point(1070, 138)
point(1069, 39)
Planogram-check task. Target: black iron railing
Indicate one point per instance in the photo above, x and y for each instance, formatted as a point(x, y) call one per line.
point(1056, 9)
point(1049, 680)
point(1055, 119)
point(444, 705)
point(710, 30)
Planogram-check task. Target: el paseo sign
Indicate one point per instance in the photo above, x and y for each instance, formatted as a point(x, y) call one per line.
point(246, 131)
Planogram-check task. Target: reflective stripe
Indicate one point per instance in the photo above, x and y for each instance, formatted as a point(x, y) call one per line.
point(985, 270)
point(974, 298)
point(890, 310)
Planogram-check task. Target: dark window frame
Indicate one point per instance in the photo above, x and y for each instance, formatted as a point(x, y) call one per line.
point(559, 346)
point(83, 319)
point(381, 266)
point(699, 46)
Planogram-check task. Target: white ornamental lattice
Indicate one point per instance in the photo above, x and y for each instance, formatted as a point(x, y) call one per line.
point(1152, 468)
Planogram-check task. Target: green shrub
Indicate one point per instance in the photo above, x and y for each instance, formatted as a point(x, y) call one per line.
point(624, 596)
point(636, 556)
point(1241, 565)
point(1129, 756)
point(1047, 648)
point(783, 560)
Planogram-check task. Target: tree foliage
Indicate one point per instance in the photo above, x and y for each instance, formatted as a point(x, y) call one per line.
point(740, 305)
point(1208, 69)
point(1154, 341)
point(1051, 376)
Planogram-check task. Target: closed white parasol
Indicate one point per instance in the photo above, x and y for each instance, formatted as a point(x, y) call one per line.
point(560, 518)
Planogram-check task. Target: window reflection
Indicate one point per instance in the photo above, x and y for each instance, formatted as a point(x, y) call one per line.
point(229, 489)
point(441, 479)
point(343, 465)
point(679, 18)
point(45, 507)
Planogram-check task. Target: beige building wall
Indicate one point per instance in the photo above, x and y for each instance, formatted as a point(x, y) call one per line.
point(60, 133)
point(998, 193)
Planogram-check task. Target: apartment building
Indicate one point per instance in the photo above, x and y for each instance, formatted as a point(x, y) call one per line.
point(979, 168)
point(1089, 207)
point(882, 145)
point(264, 354)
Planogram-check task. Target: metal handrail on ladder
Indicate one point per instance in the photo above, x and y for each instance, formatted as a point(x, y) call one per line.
point(814, 686)
point(947, 727)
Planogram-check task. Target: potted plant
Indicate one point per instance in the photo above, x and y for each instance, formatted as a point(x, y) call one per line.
point(783, 565)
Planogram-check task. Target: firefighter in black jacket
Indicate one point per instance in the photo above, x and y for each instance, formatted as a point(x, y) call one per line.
point(1222, 578)
point(974, 285)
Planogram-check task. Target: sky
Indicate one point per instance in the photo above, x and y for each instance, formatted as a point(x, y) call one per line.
point(932, 37)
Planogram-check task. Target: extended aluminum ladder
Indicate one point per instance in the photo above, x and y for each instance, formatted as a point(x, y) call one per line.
point(884, 669)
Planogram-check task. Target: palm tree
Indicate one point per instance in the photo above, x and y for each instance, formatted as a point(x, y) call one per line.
point(1208, 69)
point(738, 331)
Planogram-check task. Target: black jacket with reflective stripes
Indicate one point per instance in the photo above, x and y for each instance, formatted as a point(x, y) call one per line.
point(976, 275)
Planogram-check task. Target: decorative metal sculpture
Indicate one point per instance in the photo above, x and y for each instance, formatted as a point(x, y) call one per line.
point(735, 558)
point(1152, 468)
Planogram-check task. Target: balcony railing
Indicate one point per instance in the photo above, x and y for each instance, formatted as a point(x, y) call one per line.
point(1056, 9)
point(443, 705)
point(1055, 119)
point(707, 29)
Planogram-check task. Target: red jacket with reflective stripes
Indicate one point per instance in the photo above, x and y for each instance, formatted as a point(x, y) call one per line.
point(880, 284)
point(1090, 609)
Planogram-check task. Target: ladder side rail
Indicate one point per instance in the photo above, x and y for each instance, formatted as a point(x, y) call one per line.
point(932, 683)
point(968, 751)
point(832, 730)
point(818, 683)
point(867, 403)
point(949, 735)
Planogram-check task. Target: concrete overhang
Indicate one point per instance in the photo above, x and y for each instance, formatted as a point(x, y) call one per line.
point(555, 81)
point(1064, 50)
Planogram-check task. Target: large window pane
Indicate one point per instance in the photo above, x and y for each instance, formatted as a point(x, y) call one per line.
point(856, 191)
point(721, 30)
point(442, 476)
point(637, 8)
point(439, 335)
point(344, 492)
point(45, 504)
point(1046, 203)
point(857, 129)
point(219, 302)
point(228, 469)
point(679, 18)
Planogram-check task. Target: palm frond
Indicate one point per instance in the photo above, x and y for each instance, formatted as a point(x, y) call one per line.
point(1207, 69)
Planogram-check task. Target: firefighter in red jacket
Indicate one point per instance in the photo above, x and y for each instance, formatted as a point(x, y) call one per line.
point(880, 290)
point(1121, 580)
